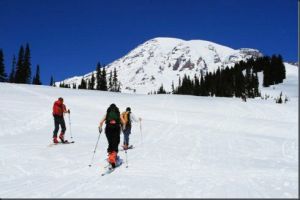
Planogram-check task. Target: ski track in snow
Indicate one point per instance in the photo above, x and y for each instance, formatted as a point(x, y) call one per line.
point(192, 147)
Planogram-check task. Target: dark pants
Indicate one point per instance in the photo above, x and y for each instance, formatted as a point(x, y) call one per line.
point(126, 133)
point(113, 137)
point(59, 120)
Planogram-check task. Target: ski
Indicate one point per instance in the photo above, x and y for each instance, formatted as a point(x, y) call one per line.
point(66, 142)
point(108, 171)
point(129, 147)
point(110, 168)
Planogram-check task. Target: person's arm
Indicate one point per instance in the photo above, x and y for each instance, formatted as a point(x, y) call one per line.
point(122, 120)
point(102, 121)
point(65, 109)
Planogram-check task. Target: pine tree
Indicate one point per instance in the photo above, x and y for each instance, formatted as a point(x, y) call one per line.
point(51, 81)
point(13, 73)
point(197, 88)
point(92, 82)
point(161, 90)
point(3, 76)
point(36, 79)
point(279, 100)
point(267, 72)
point(115, 81)
point(110, 82)
point(281, 69)
point(19, 77)
point(103, 80)
point(98, 76)
point(82, 84)
point(27, 65)
point(256, 85)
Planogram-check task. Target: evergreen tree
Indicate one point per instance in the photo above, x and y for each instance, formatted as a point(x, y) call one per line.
point(36, 79)
point(110, 82)
point(279, 100)
point(267, 81)
point(82, 84)
point(92, 82)
point(20, 72)
point(12, 73)
point(248, 81)
point(115, 81)
point(27, 65)
point(103, 80)
point(255, 85)
point(98, 76)
point(51, 81)
point(161, 90)
point(197, 88)
point(282, 70)
point(3, 76)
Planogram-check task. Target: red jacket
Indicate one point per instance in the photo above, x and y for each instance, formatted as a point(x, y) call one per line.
point(58, 108)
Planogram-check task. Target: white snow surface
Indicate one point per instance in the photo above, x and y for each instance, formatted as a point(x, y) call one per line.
point(163, 60)
point(189, 147)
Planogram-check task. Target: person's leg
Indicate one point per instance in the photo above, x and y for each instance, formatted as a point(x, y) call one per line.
point(109, 137)
point(126, 137)
point(63, 128)
point(56, 127)
point(128, 133)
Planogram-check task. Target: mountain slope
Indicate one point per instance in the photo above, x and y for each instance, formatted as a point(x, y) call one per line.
point(189, 147)
point(163, 60)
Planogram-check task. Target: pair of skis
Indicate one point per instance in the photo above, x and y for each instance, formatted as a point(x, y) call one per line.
point(65, 142)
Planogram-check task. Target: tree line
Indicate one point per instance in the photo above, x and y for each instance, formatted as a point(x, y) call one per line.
point(98, 81)
point(21, 73)
point(20, 68)
point(240, 81)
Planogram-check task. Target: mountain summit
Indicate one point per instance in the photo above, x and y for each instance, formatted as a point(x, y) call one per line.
point(163, 60)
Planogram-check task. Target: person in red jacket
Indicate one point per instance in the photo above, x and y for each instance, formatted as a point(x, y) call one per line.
point(59, 109)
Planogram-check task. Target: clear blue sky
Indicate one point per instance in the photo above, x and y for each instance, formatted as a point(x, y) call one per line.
point(68, 37)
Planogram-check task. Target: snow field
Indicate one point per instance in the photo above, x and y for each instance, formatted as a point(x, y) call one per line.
point(193, 147)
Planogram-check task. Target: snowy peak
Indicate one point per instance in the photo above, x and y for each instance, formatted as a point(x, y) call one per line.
point(163, 60)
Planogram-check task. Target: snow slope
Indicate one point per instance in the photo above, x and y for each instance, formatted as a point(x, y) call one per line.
point(192, 147)
point(163, 60)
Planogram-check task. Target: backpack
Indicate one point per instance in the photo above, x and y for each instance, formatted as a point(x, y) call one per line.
point(126, 116)
point(113, 116)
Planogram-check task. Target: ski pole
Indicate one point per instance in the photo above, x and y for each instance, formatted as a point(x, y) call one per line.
point(141, 131)
point(100, 130)
point(70, 126)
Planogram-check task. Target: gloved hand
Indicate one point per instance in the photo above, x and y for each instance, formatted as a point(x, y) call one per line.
point(100, 129)
point(69, 111)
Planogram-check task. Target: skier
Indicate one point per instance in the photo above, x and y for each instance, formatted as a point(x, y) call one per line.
point(113, 121)
point(59, 109)
point(128, 117)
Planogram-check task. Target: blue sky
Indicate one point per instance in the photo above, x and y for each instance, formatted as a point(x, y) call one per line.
point(68, 37)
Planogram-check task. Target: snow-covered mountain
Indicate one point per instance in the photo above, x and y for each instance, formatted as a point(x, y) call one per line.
point(163, 60)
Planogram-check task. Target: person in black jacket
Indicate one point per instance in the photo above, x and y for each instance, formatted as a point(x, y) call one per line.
point(113, 121)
